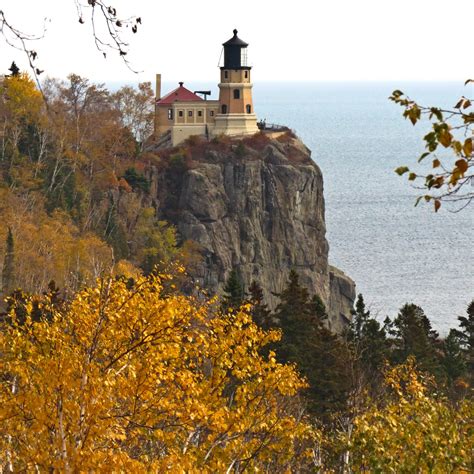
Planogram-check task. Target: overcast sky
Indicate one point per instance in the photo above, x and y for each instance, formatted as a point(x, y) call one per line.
point(289, 40)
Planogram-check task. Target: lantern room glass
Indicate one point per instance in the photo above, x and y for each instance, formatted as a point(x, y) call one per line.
point(243, 57)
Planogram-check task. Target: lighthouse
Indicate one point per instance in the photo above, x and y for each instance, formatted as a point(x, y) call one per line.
point(236, 115)
point(182, 113)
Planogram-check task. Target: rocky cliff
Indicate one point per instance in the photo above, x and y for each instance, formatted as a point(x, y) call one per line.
point(258, 206)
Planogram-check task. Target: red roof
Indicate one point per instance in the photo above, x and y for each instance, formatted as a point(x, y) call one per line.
point(181, 94)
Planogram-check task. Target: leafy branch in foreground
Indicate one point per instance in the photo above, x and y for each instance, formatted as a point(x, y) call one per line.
point(449, 177)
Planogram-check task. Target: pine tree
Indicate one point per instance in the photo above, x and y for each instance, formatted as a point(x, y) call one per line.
point(14, 69)
point(454, 361)
point(8, 272)
point(260, 312)
point(234, 293)
point(115, 234)
point(414, 336)
point(369, 345)
point(465, 336)
point(360, 317)
point(319, 355)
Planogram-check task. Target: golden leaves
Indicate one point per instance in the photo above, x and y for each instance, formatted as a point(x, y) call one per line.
point(452, 129)
point(146, 381)
point(414, 432)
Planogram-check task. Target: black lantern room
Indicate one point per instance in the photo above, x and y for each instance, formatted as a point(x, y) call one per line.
point(235, 53)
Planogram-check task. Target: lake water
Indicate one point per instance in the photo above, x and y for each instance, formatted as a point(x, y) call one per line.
point(396, 253)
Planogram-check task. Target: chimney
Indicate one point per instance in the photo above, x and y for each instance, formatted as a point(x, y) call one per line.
point(158, 87)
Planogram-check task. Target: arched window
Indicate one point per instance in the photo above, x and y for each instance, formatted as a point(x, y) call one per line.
point(246, 74)
point(226, 74)
point(249, 108)
point(224, 109)
point(236, 93)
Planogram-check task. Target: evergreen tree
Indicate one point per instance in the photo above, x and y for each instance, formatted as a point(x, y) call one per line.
point(359, 317)
point(465, 336)
point(8, 272)
point(260, 312)
point(319, 355)
point(115, 234)
point(414, 336)
point(454, 361)
point(234, 293)
point(14, 70)
point(369, 345)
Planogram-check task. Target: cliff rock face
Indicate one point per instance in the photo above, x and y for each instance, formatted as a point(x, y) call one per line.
point(261, 212)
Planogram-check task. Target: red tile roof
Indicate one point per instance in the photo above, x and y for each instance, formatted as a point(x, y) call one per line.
point(181, 94)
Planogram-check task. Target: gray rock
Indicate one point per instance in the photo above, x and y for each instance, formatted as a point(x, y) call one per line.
point(262, 214)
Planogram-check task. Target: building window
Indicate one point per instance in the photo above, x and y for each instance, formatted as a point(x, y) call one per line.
point(246, 74)
point(249, 109)
point(199, 113)
point(180, 113)
point(211, 113)
point(224, 109)
point(190, 113)
point(170, 114)
point(226, 74)
point(236, 93)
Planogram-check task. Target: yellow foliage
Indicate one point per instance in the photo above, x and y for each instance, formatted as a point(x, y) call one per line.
point(126, 378)
point(126, 269)
point(50, 247)
point(415, 432)
point(22, 98)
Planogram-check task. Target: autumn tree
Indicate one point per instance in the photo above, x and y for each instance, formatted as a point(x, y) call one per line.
point(125, 377)
point(413, 430)
point(136, 109)
point(20, 109)
point(154, 241)
point(448, 178)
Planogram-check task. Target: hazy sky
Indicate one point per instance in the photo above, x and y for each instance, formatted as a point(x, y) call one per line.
point(289, 40)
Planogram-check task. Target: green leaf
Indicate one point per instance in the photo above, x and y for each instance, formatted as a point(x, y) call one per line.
point(423, 156)
point(402, 170)
point(412, 177)
point(437, 113)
